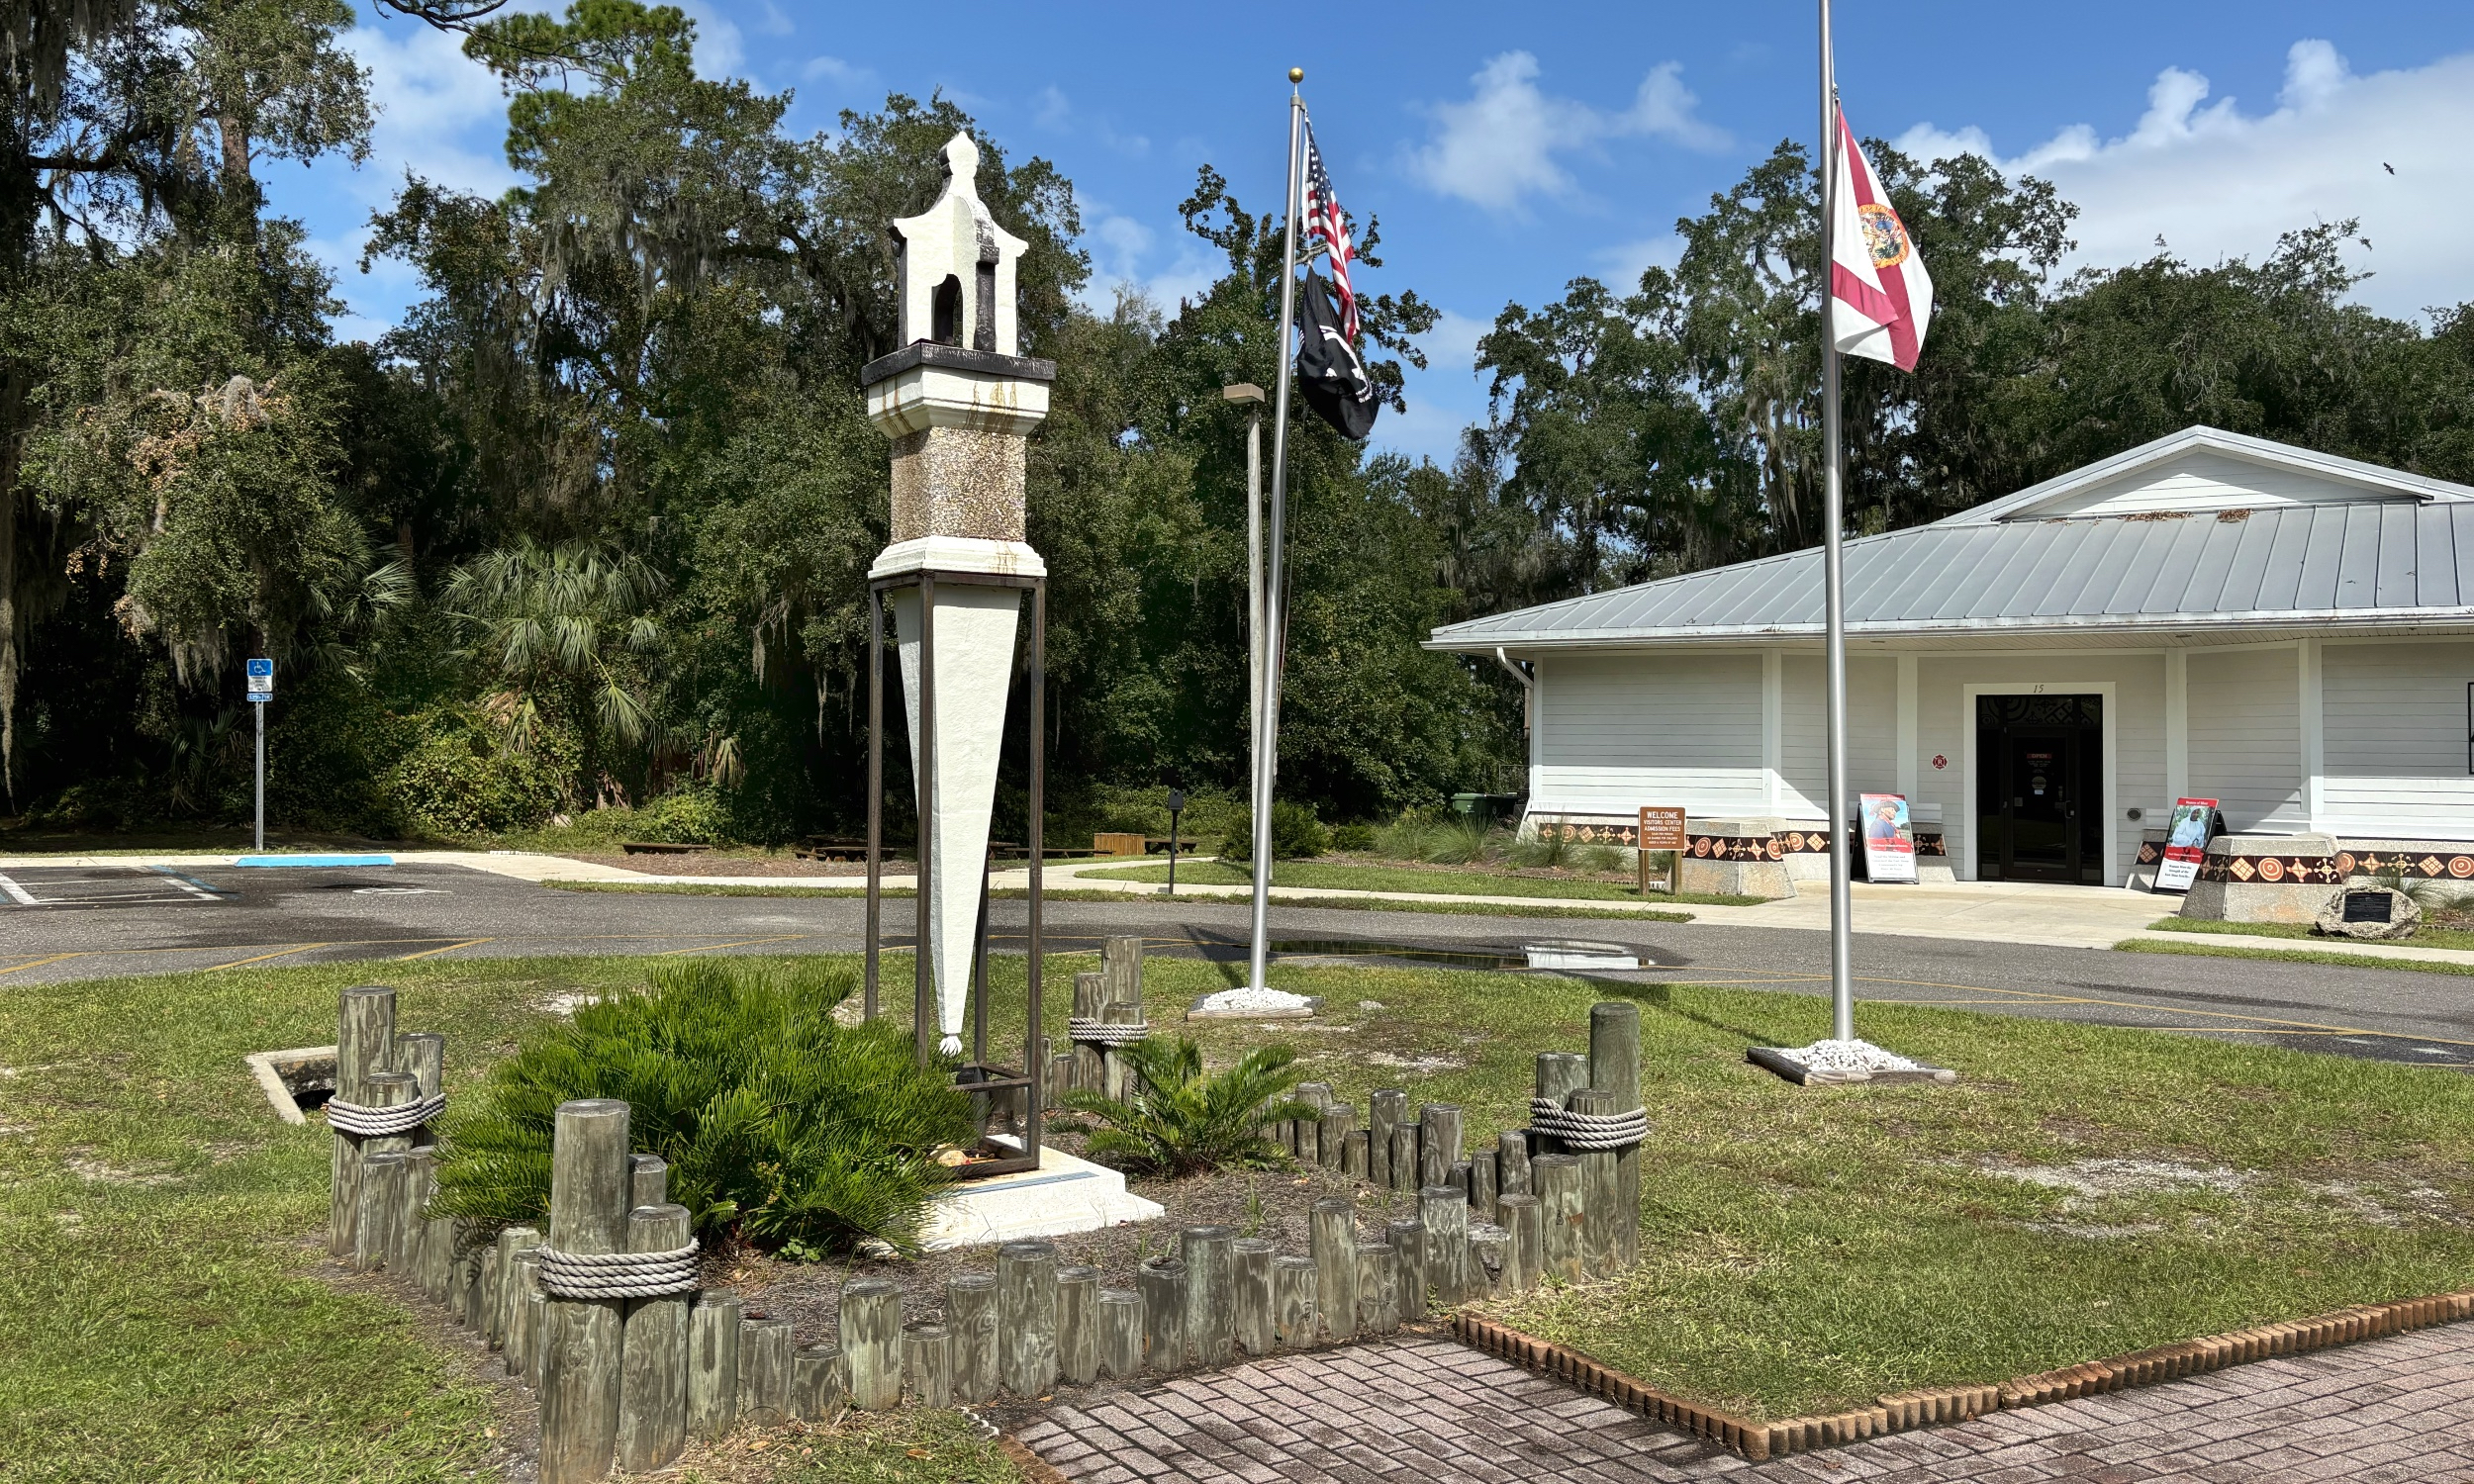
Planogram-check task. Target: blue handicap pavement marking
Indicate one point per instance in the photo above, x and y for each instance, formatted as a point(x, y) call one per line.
point(314, 861)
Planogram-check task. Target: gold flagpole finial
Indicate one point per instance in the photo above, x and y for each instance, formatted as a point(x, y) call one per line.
point(1296, 74)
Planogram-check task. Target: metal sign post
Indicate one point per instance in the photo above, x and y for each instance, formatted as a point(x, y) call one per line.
point(261, 689)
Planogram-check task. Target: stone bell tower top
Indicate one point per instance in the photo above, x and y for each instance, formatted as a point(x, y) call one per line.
point(957, 397)
point(954, 266)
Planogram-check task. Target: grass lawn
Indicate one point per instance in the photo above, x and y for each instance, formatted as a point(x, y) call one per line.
point(1335, 876)
point(2425, 936)
point(2201, 947)
point(167, 1319)
point(1016, 894)
point(1808, 1248)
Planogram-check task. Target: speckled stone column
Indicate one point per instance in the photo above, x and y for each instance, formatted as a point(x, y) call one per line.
point(958, 406)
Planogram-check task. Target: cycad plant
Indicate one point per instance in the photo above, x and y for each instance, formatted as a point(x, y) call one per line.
point(1175, 1121)
point(798, 1133)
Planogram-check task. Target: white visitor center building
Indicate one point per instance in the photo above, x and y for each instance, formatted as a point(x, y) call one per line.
point(2207, 615)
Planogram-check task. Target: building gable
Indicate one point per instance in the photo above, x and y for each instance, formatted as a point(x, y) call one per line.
point(2209, 482)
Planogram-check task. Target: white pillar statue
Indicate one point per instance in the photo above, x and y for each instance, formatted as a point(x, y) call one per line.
point(958, 403)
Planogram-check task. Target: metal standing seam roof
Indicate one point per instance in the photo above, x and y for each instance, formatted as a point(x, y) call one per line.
point(2381, 559)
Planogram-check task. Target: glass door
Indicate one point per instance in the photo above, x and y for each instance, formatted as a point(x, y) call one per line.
point(2041, 834)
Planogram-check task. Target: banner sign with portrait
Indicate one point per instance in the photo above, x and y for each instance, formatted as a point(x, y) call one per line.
point(1889, 838)
point(2186, 843)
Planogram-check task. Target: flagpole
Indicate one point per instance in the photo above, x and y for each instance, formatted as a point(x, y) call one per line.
point(1842, 895)
point(1274, 585)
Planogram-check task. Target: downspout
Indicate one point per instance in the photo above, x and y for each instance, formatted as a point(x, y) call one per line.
point(1528, 687)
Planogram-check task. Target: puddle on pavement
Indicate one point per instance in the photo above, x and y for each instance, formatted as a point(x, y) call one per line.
point(1523, 958)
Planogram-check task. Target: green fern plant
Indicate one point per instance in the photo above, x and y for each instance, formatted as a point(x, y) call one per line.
point(798, 1133)
point(1175, 1121)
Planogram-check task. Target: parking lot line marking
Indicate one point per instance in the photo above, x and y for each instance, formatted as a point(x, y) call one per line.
point(18, 894)
point(447, 949)
point(705, 948)
point(262, 957)
point(39, 962)
point(188, 883)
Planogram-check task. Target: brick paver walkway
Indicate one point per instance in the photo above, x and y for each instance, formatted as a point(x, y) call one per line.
point(1427, 1410)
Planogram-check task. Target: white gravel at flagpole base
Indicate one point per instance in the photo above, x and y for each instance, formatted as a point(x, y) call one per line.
point(1250, 1003)
point(1849, 1056)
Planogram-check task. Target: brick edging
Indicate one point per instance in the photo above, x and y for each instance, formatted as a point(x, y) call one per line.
point(1900, 1410)
point(1033, 1468)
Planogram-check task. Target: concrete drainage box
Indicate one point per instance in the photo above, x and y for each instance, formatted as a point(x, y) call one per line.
point(295, 1080)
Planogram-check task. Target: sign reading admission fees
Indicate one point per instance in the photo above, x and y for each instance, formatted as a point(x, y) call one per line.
point(2186, 843)
point(1661, 828)
point(261, 677)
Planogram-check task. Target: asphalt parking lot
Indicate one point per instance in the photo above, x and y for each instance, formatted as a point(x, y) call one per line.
point(76, 922)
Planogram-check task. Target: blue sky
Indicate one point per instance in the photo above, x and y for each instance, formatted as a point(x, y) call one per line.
point(1508, 148)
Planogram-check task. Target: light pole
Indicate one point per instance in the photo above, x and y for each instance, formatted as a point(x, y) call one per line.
point(1177, 806)
point(1258, 657)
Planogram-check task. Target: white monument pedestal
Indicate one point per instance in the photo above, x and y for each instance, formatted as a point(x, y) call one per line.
point(1064, 1195)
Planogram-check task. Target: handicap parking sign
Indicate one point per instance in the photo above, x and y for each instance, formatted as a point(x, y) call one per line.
point(261, 675)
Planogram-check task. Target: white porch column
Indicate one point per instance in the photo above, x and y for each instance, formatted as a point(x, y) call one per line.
point(2177, 726)
point(1908, 773)
point(1773, 727)
point(2314, 738)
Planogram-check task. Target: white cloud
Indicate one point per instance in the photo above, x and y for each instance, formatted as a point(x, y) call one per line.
point(1444, 398)
point(1121, 249)
point(840, 76)
point(1622, 264)
point(436, 108)
point(2215, 182)
point(1051, 110)
point(720, 51)
point(772, 20)
point(1499, 147)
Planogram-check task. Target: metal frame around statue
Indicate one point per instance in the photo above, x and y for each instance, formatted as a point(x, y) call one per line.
point(983, 1081)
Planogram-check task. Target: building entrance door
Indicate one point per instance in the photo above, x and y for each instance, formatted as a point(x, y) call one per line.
point(2039, 787)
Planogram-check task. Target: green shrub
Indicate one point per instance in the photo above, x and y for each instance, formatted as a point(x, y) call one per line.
point(456, 779)
point(693, 816)
point(1459, 841)
point(1354, 837)
point(799, 1133)
point(1542, 850)
point(1295, 833)
point(1175, 1121)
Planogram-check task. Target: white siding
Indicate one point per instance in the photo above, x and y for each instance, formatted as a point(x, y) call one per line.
point(2205, 481)
point(1871, 732)
point(1619, 731)
point(1945, 723)
point(2246, 713)
point(2394, 716)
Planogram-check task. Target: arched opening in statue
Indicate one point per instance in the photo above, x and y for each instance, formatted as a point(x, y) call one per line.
point(945, 313)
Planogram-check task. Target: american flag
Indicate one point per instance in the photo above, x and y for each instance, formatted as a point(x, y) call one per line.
point(1325, 223)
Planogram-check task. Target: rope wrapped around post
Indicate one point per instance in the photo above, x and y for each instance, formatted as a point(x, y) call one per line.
point(382, 1123)
point(1106, 1033)
point(1588, 1129)
point(616, 1275)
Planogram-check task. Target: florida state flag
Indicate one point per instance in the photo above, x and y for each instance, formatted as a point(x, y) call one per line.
point(1883, 295)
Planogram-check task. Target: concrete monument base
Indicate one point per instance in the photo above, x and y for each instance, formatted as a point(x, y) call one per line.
point(2264, 878)
point(1064, 1195)
point(1734, 858)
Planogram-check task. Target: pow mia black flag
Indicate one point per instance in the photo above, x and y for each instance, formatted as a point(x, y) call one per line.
point(1329, 370)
